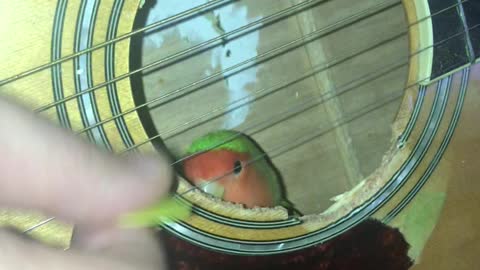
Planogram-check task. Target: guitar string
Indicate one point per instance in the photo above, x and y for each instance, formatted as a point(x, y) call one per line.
point(109, 119)
point(258, 94)
point(287, 147)
point(208, 79)
point(199, 48)
point(274, 88)
point(320, 100)
point(46, 221)
point(159, 24)
point(363, 111)
point(195, 11)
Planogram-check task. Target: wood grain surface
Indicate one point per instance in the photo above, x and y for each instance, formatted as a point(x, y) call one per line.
point(455, 242)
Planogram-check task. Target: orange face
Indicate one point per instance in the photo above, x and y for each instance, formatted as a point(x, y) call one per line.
point(240, 181)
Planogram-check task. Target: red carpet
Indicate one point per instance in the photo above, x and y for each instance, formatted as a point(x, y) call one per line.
point(370, 245)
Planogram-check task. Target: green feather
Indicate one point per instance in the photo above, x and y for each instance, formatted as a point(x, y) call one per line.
point(222, 140)
point(165, 211)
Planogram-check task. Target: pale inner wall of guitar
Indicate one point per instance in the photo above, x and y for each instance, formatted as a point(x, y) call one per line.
point(326, 166)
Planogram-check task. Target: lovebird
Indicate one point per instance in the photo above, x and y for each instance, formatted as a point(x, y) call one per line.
point(229, 165)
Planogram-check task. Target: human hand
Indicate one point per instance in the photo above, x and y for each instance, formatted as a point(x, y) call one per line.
point(44, 168)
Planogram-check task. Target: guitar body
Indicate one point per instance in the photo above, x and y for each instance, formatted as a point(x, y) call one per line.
point(373, 105)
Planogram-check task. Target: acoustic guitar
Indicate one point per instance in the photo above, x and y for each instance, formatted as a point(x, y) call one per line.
point(367, 108)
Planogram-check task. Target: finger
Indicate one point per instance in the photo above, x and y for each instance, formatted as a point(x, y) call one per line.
point(43, 167)
point(16, 252)
point(136, 244)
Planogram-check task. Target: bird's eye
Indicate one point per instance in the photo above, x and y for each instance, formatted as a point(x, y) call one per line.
point(237, 167)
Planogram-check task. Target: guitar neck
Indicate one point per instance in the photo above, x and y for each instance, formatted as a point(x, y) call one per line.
point(455, 27)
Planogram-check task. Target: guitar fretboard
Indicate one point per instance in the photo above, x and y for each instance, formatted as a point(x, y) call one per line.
point(456, 35)
point(472, 14)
